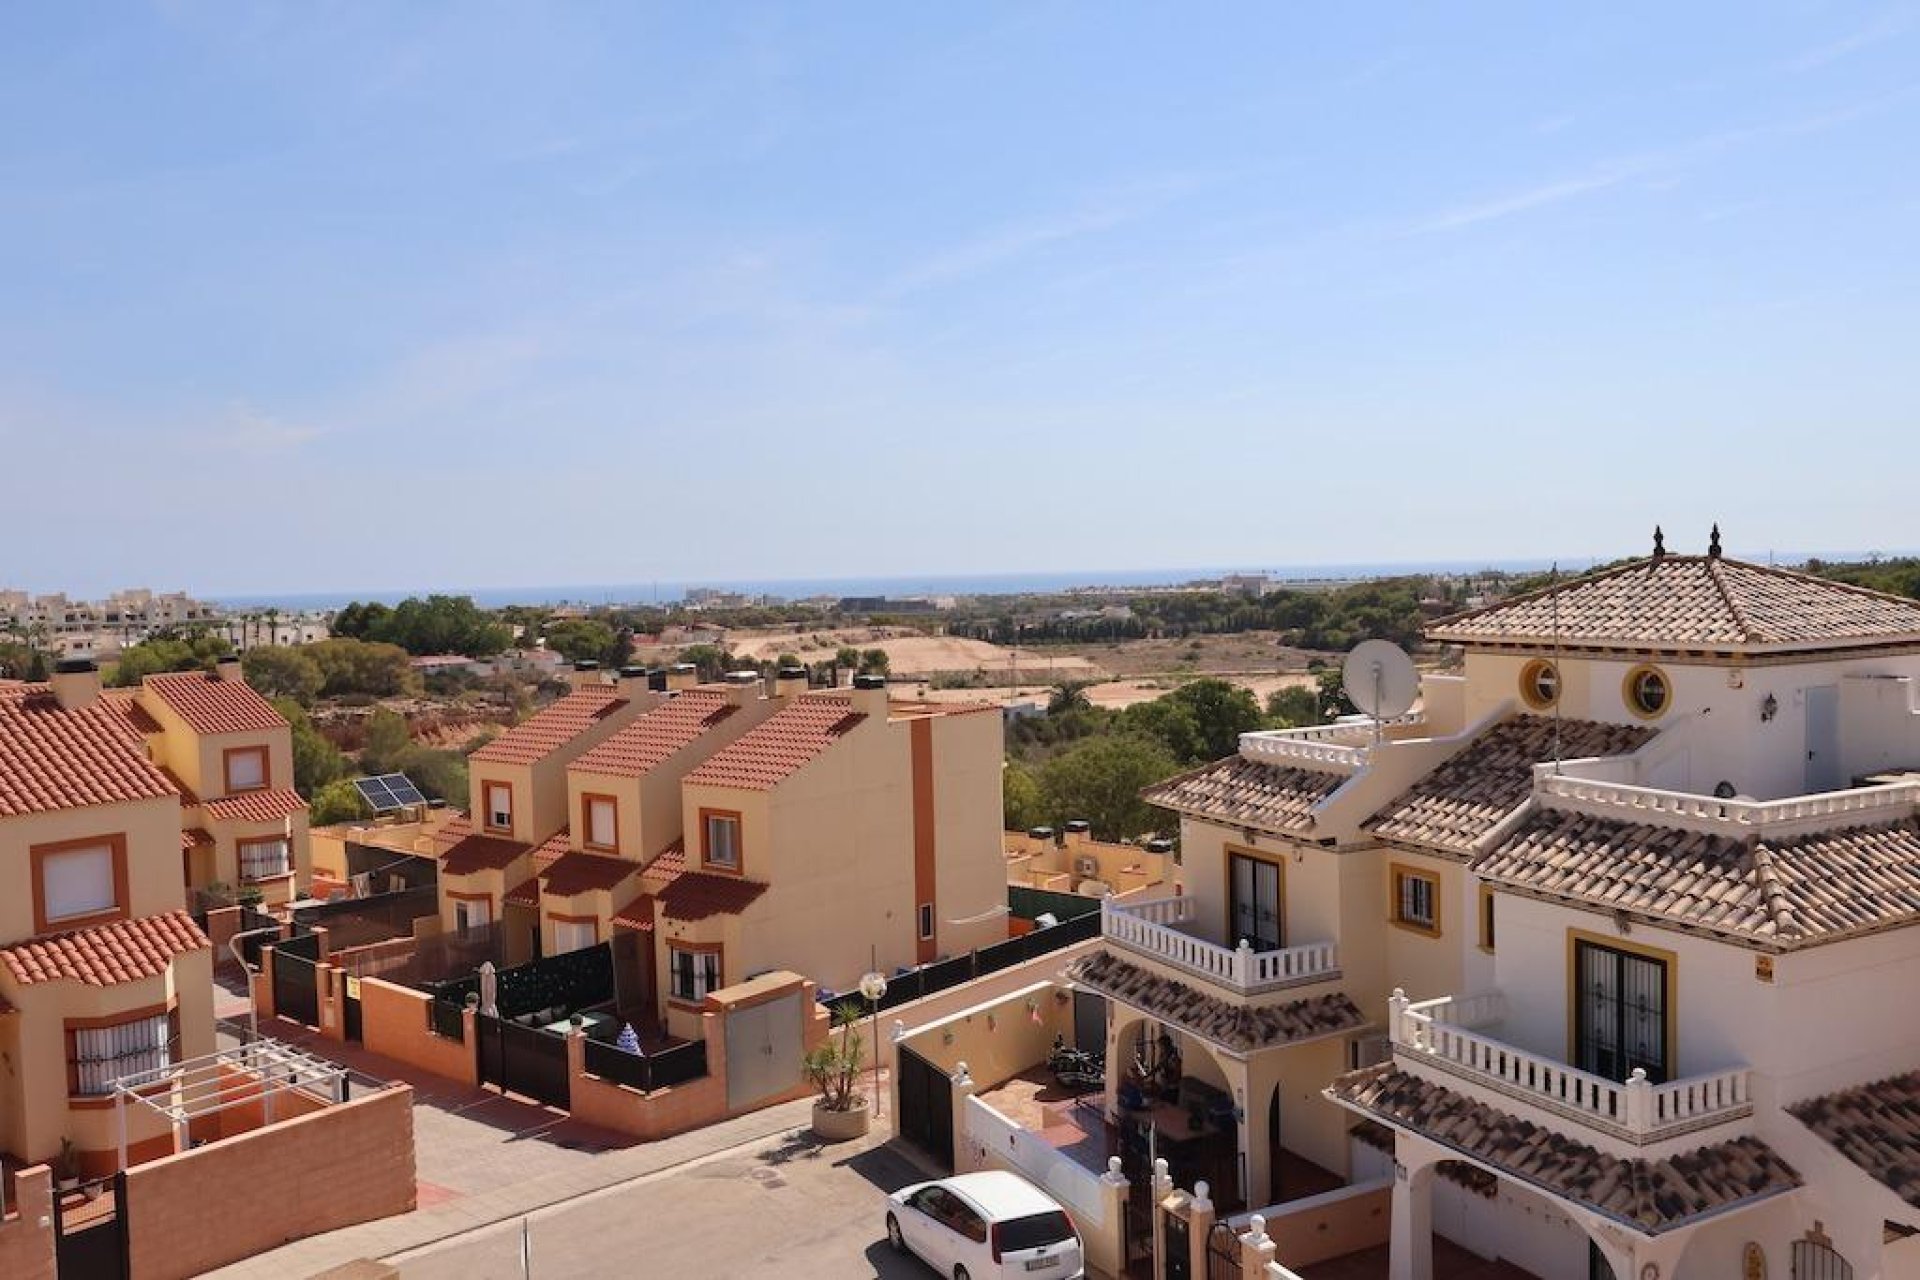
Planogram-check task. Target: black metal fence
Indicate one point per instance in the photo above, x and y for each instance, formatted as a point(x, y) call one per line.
point(445, 957)
point(296, 978)
point(930, 979)
point(1027, 903)
point(252, 918)
point(445, 1019)
point(564, 984)
point(681, 1063)
point(355, 922)
point(524, 1060)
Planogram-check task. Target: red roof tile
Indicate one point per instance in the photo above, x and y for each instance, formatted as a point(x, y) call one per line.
point(125, 704)
point(656, 736)
point(585, 872)
point(637, 914)
point(52, 758)
point(552, 850)
point(553, 727)
point(526, 893)
point(699, 894)
point(108, 954)
point(189, 799)
point(781, 746)
point(473, 853)
point(194, 838)
point(256, 806)
point(670, 862)
point(211, 705)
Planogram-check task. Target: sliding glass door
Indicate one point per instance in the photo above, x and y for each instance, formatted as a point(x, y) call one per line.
point(1254, 885)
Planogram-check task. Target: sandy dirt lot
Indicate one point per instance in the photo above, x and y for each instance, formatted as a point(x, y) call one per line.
point(908, 654)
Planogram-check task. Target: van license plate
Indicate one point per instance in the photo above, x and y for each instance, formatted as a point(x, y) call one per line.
point(1041, 1264)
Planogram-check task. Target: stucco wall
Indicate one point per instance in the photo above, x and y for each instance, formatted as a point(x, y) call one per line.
point(26, 1246)
point(152, 832)
point(348, 1164)
point(970, 870)
point(393, 1023)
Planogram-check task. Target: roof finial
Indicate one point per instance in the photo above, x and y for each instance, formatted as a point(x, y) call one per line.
point(1659, 543)
point(1713, 547)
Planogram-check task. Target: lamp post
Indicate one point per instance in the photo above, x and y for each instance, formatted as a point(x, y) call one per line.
point(874, 987)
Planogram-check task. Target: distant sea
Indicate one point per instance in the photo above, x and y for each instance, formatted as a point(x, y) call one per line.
point(990, 584)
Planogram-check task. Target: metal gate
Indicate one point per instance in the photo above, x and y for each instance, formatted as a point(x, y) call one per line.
point(1223, 1252)
point(1178, 1260)
point(352, 1005)
point(296, 985)
point(1816, 1260)
point(523, 1060)
point(926, 1107)
point(90, 1239)
point(763, 1050)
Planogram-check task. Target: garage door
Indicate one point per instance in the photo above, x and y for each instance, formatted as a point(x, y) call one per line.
point(763, 1051)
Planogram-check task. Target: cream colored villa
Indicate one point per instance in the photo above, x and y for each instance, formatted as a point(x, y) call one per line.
point(106, 799)
point(730, 830)
point(1603, 960)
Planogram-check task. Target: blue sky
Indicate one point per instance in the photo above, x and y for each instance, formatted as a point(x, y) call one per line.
point(365, 296)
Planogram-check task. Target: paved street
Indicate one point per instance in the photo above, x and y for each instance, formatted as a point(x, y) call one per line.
point(786, 1206)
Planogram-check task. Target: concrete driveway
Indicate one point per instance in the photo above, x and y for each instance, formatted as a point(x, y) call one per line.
point(786, 1206)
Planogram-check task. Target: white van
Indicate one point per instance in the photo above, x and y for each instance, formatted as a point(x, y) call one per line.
point(981, 1226)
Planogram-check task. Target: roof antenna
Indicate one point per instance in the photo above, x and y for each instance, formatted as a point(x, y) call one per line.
point(1713, 546)
point(1559, 683)
point(1659, 543)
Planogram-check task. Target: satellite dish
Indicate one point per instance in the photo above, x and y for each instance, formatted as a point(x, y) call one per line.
point(1380, 679)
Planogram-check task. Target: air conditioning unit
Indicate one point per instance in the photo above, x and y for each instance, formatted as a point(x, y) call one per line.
point(1086, 866)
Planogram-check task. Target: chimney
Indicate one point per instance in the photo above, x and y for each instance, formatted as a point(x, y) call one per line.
point(633, 683)
point(229, 669)
point(790, 682)
point(742, 686)
point(682, 675)
point(1077, 830)
point(870, 695)
point(657, 679)
point(76, 683)
point(586, 673)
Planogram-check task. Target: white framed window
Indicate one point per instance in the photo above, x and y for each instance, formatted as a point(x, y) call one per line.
point(78, 882)
point(1416, 900)
point(926, 921)
point(246, 769)
point(694, 973)
point(573, 935)
point(265, 859)
point(723, 839)
point(472, 913)
point(499, 806)
point(603, 823)
point(97, 1056)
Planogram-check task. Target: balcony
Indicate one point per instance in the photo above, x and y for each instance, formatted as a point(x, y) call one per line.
point(1148, 929)
point(1341, 747)
point(1450, 1034)
point(1736, 819)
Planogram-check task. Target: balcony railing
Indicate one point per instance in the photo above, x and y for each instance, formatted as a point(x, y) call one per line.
point(1795, 815)
point(1437, 1033)
point(1147, 928)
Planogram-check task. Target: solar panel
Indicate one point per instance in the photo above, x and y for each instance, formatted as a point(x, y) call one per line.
point(388, 792)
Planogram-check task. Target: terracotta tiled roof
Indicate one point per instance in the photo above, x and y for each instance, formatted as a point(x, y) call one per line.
point(1241, 1028)
point(211, 706)
point(670, 862)
point(584, 873)
point(1463, 800)
point(189, 798)
point(107, 954)
point(1691, 602)
point(471, 853)
point(1652, 1196)
point(695, 895)
point(779, 746)
point(1246, 793)
point(657, 735)
point(456, 828)
point(526, 893)
point(1779, 892)
point(550, 850)
point(123, 703)
point(194, 838)
point(553, 728)
point(637, 914)
point(51, 758)
point(1876, 1127)
point(255, 806)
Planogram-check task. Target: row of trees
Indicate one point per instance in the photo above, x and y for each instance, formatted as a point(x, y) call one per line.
point(323, 773)
point(437, 624)
point(330, 669)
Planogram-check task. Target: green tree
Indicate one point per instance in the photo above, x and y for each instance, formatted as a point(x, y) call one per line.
point(1022, 805)
point(21, 661)
point(1101, 780)
point(874, 662)
point(361, 621)
point(387, 742)
point(711, 660)
point(1334, 701)
point(441, 775)
point(1293, 708)
point(283, 673)
point(1069, 696)
point(847, 658)
point(316, 762)
point(358, 666)
point(1173, 724)
point(583, 639)
point(1221, 710)
point(170, 651)
point(337, 802)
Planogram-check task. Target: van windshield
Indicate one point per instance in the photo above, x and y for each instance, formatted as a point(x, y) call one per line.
point(1033, 1232)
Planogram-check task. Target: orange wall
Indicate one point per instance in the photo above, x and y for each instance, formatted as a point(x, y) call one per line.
point(393, 1022)
point(1329, 1231)
point(214, 1205)
point(26, 1247)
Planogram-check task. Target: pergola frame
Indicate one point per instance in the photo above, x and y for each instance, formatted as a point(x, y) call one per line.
point(208, 1085)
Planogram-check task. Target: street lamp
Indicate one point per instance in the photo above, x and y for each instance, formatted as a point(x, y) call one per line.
point(874, 987)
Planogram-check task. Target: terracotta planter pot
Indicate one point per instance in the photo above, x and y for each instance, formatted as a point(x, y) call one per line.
point(840, 1126)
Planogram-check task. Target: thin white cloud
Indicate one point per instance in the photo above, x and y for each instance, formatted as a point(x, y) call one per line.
point(1893, 23)
point(250, 431)
point(1537, 197)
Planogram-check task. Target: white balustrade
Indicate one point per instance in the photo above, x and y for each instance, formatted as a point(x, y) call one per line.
point(1795, 815)
point(1146, 927)
point(1435, 1032)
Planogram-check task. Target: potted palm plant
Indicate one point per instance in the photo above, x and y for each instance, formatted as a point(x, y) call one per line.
point(834, 1068)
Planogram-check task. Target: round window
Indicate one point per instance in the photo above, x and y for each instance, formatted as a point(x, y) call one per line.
point(1647, 692)
point(1540, 684)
